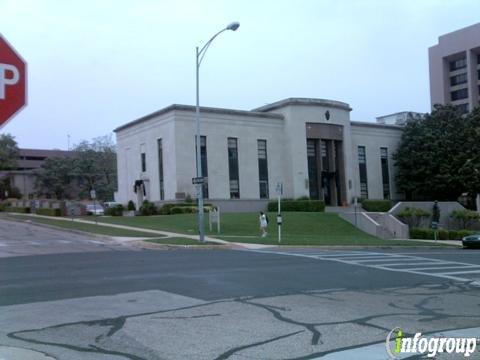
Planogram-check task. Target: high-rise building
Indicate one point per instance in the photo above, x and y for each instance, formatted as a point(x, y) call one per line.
point(455, 69)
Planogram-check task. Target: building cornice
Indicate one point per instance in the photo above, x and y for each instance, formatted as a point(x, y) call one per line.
point(376, 125)
point(204, 110)
point(304, 101)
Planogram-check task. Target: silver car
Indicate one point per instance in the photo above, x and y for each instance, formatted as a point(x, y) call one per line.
point(95, 209)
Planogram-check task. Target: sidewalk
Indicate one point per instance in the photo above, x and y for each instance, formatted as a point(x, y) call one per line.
point(151, 231)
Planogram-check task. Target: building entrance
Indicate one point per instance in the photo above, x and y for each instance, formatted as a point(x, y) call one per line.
point(326, 175)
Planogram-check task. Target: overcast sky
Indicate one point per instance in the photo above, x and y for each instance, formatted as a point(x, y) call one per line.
point(95, 65)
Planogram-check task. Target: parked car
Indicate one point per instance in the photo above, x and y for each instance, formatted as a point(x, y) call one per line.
point(471, 241)
point(110, 204)
point(95, 209)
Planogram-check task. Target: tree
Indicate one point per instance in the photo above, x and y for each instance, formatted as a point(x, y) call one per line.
point(8, 152)
point(92, 165)
point(438, 156)
point(95, 167)
point(55, 179)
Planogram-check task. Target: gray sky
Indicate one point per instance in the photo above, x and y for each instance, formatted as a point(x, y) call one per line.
point(94, 65)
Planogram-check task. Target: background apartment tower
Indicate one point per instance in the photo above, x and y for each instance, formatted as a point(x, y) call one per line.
point(455, 69)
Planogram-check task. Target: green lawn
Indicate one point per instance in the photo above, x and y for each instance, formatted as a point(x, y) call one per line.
point(90, 228)
point(178, 241)
point(299, 228)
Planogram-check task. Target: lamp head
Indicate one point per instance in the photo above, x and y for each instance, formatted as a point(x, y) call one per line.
point(233, 26)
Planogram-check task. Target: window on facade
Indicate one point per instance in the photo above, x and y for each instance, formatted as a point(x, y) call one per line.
point(160, 168)
point(324, 155)
point(464, 108)
point(459, 94)
point(263, 168)
point(385, 173)
point(458, 79)
point(144, 162)
point(312, 145)
point(362, 167)
point(203, 163)
point(458, 64)
point(233, 168)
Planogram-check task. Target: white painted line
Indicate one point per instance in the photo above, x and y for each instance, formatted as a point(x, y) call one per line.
point(403, 264)
point(450, 266)
point(353, 254)
point(365, 257)
point(393, 259)
point(460, 272)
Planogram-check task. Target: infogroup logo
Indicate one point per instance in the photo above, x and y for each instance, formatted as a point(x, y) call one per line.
point(431, 346)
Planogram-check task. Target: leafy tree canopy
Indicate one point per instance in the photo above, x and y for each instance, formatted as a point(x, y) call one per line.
point(439, 155)
point(92, 165)
point(8, 152)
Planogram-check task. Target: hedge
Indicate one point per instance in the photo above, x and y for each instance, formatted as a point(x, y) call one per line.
point(376, 205)
point(166, 209)
point(114, 210)
point(187, 210)
point(442, 234)
point(298, 205)
point(23, 210)
point(148, 208)
point(49, 212)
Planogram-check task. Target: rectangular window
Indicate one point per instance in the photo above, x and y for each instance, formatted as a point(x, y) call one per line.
point(362, 167)
point(144, 162)
point(459, 94)
point(262, 168)
point(312, 158)
point(203, 164)
point(385, 173)
point(160, 168)
point(458, 64)
point(458, 79)
point(233, 168)
point(463, 108)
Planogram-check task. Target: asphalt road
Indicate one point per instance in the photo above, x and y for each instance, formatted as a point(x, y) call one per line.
point(224, 304)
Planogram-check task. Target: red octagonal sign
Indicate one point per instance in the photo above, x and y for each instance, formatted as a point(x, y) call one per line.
point(13, 82)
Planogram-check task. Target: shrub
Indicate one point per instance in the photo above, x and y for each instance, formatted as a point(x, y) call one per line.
point(166, 209)
point(114, 210)
point(425, 233)
point(465, 218)
point(458, 234)
point(176, 210)
point(298, 205)
point(413, 217)
point(148, 208)
point(49, 212)
point(376, 205)
point(421, 233)
point(4, 205)
point(23, 210)
point(442, 234)
point(131, 206)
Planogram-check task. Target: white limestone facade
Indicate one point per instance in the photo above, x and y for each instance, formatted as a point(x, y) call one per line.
point(311, 148)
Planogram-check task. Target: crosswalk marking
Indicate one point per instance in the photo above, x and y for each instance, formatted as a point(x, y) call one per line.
point(451, 270)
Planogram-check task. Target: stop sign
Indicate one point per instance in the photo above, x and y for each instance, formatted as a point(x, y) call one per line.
point(13, 82)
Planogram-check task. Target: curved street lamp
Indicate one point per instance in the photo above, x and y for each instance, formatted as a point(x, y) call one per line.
point(200, 54)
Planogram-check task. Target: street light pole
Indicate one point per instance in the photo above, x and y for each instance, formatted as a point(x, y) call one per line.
point(199, 57)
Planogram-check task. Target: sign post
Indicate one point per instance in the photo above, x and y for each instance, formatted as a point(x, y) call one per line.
point(13, 82)
point(93, 195)
point(279, 191)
